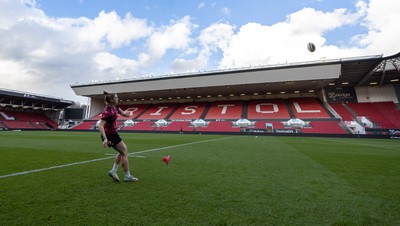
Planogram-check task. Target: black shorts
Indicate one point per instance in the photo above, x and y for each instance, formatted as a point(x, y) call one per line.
point(113, 139)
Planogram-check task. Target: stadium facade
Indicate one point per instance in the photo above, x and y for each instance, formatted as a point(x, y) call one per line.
point(30, 111)
point(357, 95)
point(367, 79)
point(363, 74)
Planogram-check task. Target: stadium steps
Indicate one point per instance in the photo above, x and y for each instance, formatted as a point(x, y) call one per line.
point(49, 125)
point(172, 112)
point(141, 113)
point(383, 114)
point(328, 109)
point(245, 109)
point(96, 117)
point(346, 128)
point(206, 109)
point(2, 125)
point(6, 117)
point(289, 108)
point(343, 112)
point(350, 110)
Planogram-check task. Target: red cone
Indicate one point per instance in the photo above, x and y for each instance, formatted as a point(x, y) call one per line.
point(166, 159)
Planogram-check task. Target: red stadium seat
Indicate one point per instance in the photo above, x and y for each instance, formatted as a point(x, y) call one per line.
point(225, 110)
point(268, 109)
point(158, 111)
point(189, 111)
point(308, 108)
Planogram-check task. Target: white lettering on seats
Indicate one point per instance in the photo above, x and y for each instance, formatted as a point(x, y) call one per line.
point(6, 116)
point(299, 110)
point(274, 106)
point(189, 108)
point(159, 111)
point(131, 110)
point(225, 107)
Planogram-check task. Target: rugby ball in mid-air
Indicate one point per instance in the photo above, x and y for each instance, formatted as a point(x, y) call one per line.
point(311, 47)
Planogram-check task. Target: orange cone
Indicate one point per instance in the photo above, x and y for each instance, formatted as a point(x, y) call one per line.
point(166, 159)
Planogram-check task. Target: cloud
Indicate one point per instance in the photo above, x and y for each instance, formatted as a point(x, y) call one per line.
point(258, 44)
point(226, 11)
point(183, 65)
point(45, 55)
point(304, 21)
point(116, 31)
point(201, 5)
point(111, 65)
point(175, 36)
point(12, 11)
point(381, 22)
point(211, 39)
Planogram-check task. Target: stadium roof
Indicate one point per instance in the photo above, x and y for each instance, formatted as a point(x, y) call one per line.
point(302, 77)
point(27, 100)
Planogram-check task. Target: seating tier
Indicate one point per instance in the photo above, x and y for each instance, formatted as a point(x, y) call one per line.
point(267, 109)
point(307, 108)
point(225, 110)
point(383, 113)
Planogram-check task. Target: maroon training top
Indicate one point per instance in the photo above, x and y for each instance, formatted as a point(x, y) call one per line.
point(110, 115)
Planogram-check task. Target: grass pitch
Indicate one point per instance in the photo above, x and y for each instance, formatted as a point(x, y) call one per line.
point(210, 180)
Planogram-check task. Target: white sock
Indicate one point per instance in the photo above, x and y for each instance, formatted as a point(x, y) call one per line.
point(115, 168)
point(127, 174)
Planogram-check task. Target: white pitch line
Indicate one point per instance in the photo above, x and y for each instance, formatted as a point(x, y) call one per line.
point(135, 156)
point(53, 167)
point(100, 159)
point(179, 145)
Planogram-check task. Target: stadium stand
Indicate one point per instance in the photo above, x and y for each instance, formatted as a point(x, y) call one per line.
point(135, 111)
point(141, 126)
point(158, 111)
point(177, 127)
point(268, 109)
point(324, 127)
point(310, 98)
point(96, 117)
point(189, 111)
point(343, 111)
point(308, 108)
point(319, 97)
point(258, 110)
point(261, 124)
point(383, 114)
point(225, 110)
point(26, 120)
point(18, 125)
point(219, 127)
point(23, 110)
point(86, 125)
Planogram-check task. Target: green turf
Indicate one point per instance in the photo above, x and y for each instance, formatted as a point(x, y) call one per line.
point(211, 180)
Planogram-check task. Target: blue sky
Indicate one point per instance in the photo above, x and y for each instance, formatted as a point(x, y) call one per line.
point(50, 44)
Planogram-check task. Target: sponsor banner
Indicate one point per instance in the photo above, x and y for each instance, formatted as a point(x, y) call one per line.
point(394, 132)
point(342, 95)
point(285, 131)
point(256, 130)
point(391, 132)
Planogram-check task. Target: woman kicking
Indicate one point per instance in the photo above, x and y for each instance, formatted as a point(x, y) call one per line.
point(111, 138)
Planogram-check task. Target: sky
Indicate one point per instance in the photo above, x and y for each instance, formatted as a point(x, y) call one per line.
point(48, 45)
